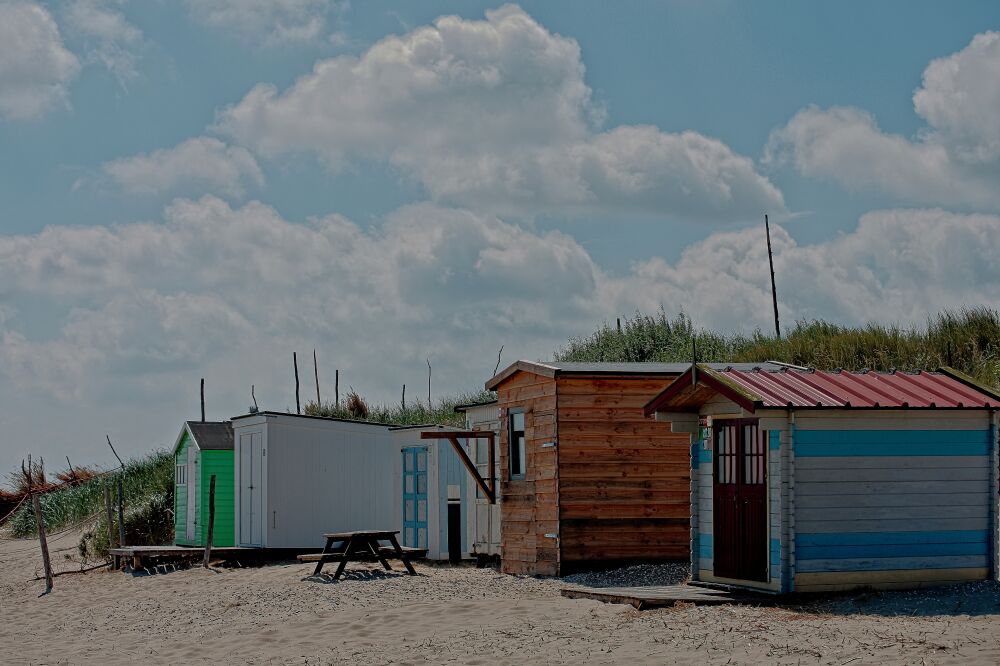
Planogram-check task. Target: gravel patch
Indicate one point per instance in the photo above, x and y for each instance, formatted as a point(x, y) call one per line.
point(637, 575)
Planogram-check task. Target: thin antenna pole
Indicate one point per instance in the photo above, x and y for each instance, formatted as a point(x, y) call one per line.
point(202, 399)
point(295, 363)
point(319, 403)
point(774, 290)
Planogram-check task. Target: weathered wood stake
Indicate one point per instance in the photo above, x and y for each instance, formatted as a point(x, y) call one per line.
point(404, 397)
point(336, 387)
point(202, 399)
point(319, 403)
point(295, 362)
point(110, 513)
point(774, 290)
point(211, 520)
point(121, 510)
point(428, 383)
point(40, 522)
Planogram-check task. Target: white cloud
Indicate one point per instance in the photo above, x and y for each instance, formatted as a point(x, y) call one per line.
point(200, 164)
point(146, 309)
point(954, 160)
point(108, 36)
point(496, 114)
point(35, 67)
point(276, 22)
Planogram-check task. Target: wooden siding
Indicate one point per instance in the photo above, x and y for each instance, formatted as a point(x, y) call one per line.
point(892, 501)
point(180, 494)
point(529, 507)
point(623, 479)
point(219, 463)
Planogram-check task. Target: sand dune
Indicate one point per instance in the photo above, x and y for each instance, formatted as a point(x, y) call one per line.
point(270, 615)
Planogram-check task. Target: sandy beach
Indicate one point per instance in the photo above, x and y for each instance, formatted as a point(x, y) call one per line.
point(462, 615)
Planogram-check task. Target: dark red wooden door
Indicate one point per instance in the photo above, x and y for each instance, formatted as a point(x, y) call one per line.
point(740, 500)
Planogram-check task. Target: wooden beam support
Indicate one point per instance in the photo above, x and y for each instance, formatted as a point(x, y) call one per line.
point(453, 436)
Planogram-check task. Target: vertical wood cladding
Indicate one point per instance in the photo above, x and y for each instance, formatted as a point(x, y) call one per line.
point(602, 481)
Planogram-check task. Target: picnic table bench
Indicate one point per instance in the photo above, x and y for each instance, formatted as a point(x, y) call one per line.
point(344, 546)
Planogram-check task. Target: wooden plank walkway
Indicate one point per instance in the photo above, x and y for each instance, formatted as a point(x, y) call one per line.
point(657, 596)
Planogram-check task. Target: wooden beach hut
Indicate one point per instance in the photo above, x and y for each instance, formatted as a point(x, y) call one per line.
point(808, 481)
point(203, 449)
point(586, 479)
point(298, 477)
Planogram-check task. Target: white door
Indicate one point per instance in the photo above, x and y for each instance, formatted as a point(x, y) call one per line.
point(251, 490)
point(487, 528)
point(192, 491)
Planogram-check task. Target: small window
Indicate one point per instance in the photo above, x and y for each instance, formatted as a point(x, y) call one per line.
point(180, 473)
point(515, 433)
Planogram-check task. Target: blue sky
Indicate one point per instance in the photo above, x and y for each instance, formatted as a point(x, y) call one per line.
point(182, 194)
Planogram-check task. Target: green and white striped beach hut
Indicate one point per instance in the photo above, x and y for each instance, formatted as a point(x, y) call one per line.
point(203, 449)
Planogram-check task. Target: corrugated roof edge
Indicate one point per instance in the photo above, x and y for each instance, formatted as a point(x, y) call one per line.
point(310, 416)
point(971, 382)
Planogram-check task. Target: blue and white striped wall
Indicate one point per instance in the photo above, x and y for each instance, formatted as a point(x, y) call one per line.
point(864, 498)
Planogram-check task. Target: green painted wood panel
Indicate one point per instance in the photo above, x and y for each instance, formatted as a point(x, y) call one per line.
point(219, 463)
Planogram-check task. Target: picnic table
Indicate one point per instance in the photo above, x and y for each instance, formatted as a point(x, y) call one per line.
point(343, 546)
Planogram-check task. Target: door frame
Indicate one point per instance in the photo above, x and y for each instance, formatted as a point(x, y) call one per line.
point(740, 568)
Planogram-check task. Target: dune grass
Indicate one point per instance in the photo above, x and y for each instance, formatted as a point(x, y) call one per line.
point(968, 340)
point(148, 483)
point(414, 412)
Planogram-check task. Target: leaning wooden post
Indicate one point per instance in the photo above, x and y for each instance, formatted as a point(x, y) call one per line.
point(319, 402)
point(41, 540)
point(121, 510)
point(111, 519)
point(211, 520)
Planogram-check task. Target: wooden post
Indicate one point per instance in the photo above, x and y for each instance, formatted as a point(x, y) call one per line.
point(319, 403)
point(774, 290)
point(121, 509)
point(619, 320)
point(428, 383)
point(211, 520)
point(295, 362)
point(110, 514)
point(497, 368)
point(40, 522)
point(404, 397)
point(202, 399)
point(336, 387)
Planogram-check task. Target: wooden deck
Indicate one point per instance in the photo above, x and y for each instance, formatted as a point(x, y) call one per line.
point(657, 596)
point(140, 556)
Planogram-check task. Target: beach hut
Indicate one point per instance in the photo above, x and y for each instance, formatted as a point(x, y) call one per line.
point(203, 449)
point(298, 477)
point(808, 481)
point(483, 517)
point(586, 479)
point(433, 494)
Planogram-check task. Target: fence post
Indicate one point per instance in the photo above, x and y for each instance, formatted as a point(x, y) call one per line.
point(40, 522)
point(211, 520)
point(111, 519)
point(121, 510)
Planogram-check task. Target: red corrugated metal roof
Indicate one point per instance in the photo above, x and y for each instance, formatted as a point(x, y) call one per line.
point(762, 388)
point(816, 388)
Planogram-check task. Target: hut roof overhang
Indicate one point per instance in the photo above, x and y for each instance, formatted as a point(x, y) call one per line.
point(945, 388)
point(207, 435)
point(554, 369)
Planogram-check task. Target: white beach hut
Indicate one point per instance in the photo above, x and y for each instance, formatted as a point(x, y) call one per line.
point(298, 477)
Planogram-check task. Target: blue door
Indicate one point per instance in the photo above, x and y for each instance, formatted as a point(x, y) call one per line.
point(415, 497)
